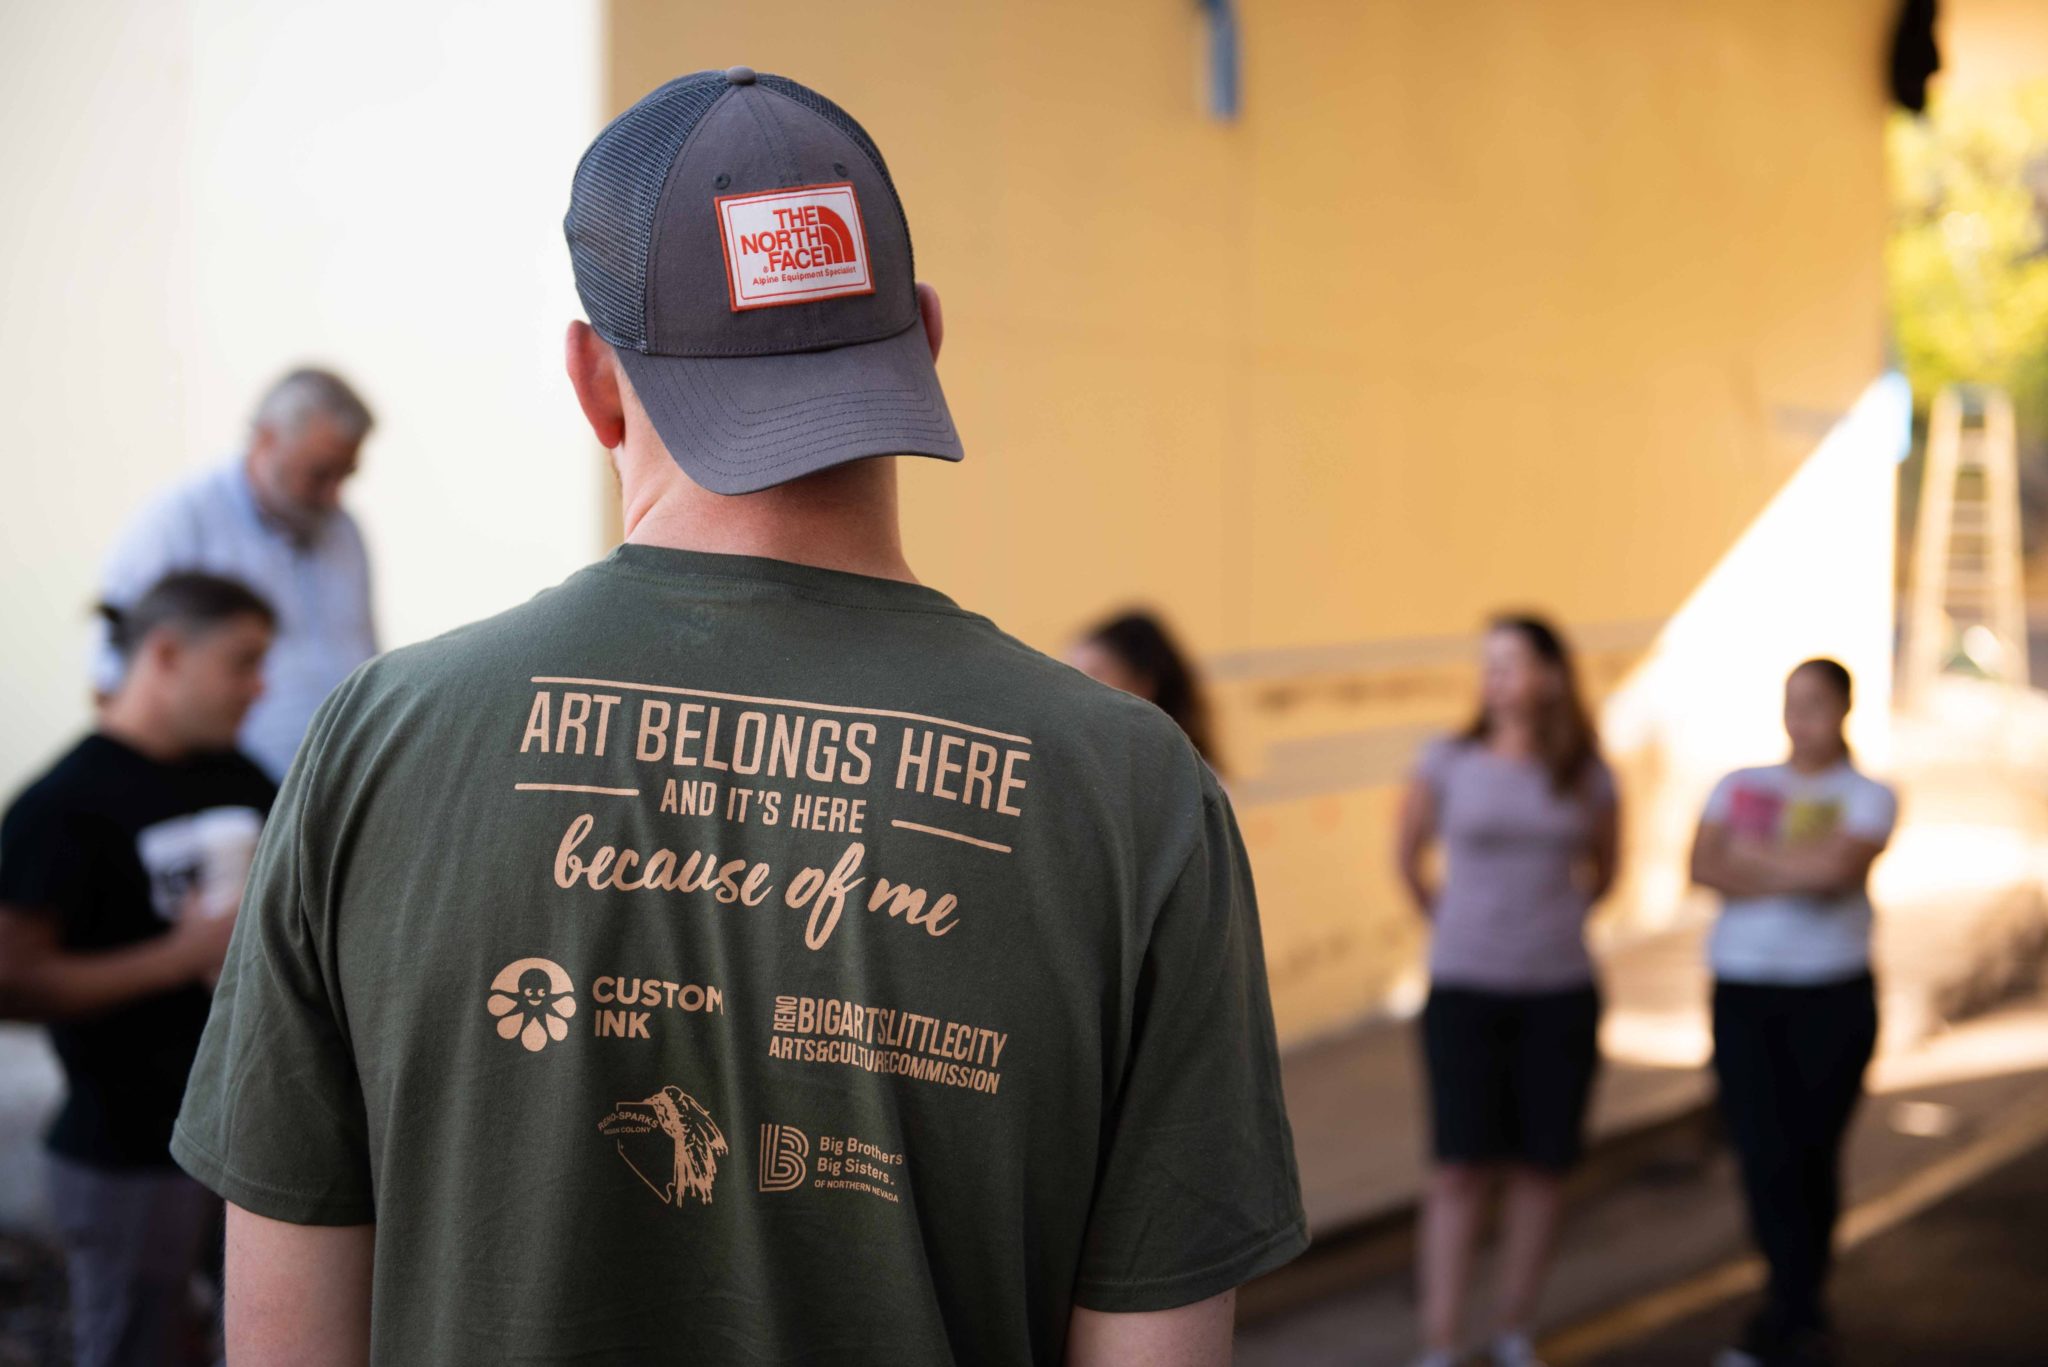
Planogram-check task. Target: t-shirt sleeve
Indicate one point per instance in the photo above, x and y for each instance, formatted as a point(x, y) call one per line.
point(1871, 812)
point(1722, 800)
point(1197, 1191)
point(1433, 765)
point(262, 787)
point(45, 860)
point(273, 1118)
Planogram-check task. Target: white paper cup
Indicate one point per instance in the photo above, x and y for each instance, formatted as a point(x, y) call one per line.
point(227, 847)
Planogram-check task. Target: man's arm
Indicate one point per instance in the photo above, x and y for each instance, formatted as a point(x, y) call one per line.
point(1195, 1335)
point(41, 980)
point(298, 1293)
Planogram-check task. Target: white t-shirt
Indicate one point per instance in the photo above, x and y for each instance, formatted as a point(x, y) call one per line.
point(1797, 939)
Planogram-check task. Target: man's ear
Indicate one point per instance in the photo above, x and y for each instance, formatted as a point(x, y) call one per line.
point(596, 382)
point(262, 441)
point(163, 648)
point(934, 318)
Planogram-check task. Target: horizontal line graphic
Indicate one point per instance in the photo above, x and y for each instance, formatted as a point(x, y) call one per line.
point(951, 835)
point(574, 788)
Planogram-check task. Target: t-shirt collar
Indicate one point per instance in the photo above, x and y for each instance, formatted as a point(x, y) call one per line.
point(128, 754)
point(857, 590)
point(1833, 771)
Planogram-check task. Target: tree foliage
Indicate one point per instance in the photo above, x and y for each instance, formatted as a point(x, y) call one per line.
point(1968, 257)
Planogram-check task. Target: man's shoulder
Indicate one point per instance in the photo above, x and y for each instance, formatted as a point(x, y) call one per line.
point(197, 491)
point(234, 769)
point(475, 650)
point(183, 506)
point(343, 525)
point(1057, 696)
point(65, 787)
point(958, 665)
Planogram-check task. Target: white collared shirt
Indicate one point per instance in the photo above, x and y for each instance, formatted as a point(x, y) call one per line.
point(319, 586)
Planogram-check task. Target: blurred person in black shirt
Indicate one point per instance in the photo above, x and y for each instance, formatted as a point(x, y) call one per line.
point(120, 874)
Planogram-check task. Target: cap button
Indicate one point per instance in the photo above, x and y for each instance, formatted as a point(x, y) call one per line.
point(739, 75)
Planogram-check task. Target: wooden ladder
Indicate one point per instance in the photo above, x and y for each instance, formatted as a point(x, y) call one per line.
point(1966, 608)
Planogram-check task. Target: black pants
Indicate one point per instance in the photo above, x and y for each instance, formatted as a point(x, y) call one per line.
point(1790, 1062)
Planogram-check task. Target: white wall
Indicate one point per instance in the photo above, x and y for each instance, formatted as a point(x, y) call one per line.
point(201, 193)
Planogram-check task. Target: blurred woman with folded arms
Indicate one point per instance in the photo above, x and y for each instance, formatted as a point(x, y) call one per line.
point(1789, 847)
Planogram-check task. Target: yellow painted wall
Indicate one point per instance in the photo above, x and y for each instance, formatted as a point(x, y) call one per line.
point(1480, 302)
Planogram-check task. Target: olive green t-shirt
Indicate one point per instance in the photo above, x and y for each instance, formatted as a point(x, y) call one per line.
point(720, 960)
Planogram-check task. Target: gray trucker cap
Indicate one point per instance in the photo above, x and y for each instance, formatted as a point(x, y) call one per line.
point(738, 241)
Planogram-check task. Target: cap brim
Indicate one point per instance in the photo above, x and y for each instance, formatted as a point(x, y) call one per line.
point(737, 424)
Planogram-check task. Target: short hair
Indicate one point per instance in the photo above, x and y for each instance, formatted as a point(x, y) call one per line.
point(301, 393)
point(186, 602)
point(1833, 673)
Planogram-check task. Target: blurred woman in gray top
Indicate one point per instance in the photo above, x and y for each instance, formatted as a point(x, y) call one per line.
point(1528, 821)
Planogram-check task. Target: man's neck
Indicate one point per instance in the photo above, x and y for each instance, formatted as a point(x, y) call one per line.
point(130, 719)
point(295, 530)
point(841, 519)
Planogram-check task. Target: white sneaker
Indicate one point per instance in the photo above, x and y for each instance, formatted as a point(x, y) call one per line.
point(1514, 1350)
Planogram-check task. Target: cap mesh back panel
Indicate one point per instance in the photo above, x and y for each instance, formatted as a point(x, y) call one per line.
point(612, 203)
point(843, 121)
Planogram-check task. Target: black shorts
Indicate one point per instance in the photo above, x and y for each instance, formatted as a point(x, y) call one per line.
point(1510, 1073)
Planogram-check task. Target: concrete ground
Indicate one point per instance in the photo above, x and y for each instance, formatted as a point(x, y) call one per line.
point(1959, 1283)
point(1672, 1215)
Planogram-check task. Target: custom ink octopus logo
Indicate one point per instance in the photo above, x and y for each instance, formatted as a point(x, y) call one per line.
point(533, 1000)
point(682, 1144)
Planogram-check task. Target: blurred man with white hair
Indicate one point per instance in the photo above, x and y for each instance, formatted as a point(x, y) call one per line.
point(271, 518)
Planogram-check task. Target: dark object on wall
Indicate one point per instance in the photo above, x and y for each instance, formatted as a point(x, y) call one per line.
point(1224, 87)
point(1915, 54)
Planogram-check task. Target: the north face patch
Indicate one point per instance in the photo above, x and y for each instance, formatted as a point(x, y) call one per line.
point(794, 246)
